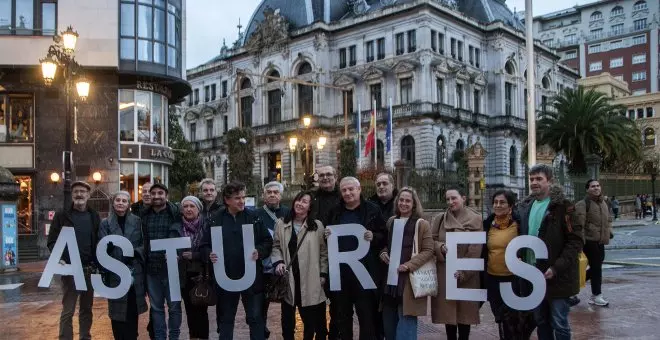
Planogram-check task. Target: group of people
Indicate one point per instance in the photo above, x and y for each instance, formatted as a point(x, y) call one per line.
point(293, 243)
point(644, 206)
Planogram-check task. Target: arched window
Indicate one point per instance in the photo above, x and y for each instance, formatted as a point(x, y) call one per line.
point(273, 73)
point(649, 137)
point(618, 10)
point(460, 145)
point(305, 93)
point(597, 15)
point(546, 83)
point(246, 84)
point(380, 152)
point(274, 100)
point(440, 153)
point(408, 150)
point(246, 104)
point(510, 68)
point(513, 161)
point(639, 5)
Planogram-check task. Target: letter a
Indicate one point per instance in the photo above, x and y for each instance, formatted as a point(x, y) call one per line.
point(66, 238)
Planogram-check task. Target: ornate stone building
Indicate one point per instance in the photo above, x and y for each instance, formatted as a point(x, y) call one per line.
point(453, 70)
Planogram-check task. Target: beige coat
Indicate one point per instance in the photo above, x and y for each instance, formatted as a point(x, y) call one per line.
point(597, 222)
point(411, 305)
point(454, 312)
point(312, 261)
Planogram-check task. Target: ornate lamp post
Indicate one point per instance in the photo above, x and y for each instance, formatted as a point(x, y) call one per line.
point(307, 136)
point(61, 55)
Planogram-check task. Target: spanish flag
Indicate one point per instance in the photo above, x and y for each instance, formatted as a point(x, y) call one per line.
point(371, 136)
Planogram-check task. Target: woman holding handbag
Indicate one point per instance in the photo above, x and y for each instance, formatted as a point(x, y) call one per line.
point(193, 269)
point(125, 310)
point(300, 257)
point(400, 307)
point(456, 315)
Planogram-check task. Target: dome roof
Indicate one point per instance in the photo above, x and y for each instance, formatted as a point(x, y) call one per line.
point(298, 13)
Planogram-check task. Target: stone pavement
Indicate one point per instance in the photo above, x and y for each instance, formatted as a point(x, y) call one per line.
point(28, 312)
point(635, 234)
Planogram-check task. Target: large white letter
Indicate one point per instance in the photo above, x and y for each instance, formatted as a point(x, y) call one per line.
point(110, 263)
point(66, 238)
point(170, 246)
point(395, 252)
point(250, 274)
point(525, 271)
point(351, 258)
point(454, 264)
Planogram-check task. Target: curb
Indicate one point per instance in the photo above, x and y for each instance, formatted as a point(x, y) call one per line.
point(629, 247)
point(632, 225)
point(640, 264)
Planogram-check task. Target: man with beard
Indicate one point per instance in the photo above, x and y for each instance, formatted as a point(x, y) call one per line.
point(160, 221)
point(385, 194)
point(209, 198)
point(269, 214)
point(327, 197)
point(354, 209)
point(85, 222)
point(549, 215)
point(138, 208)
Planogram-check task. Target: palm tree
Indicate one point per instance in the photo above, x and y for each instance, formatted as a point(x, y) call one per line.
point(585, 122)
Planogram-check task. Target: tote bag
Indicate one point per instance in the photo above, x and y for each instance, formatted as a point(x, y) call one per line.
point(424, 280)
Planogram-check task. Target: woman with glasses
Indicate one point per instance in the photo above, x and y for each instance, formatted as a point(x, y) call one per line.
point(400, 307)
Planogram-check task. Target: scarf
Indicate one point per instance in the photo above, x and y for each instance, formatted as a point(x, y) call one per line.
point(193, 229)
point(406, 255)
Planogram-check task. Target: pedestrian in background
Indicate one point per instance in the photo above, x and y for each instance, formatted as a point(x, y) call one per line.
point(456, 315)
point(299, 245)
point(615, 207)
point(638, 207)
point(124, 311)
point(192, 265)
point(400, 307)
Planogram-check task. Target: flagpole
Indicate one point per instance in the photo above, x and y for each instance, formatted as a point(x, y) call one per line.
point(391, 131)
point(359, 134)
point(531, 104)
point(375, 137)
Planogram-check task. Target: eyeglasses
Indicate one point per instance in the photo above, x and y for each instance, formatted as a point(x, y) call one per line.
point(326, 175)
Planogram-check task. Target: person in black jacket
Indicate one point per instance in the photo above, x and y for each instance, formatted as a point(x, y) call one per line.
point(138, 208)
point(385, 194)
point(85, 222)
point(354, 209)
point(209, 197)
point(232, 218)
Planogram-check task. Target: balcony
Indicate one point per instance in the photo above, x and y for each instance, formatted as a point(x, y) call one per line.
point(209, 144)
point(292, 125)
point(567, 42)
point(618, 32)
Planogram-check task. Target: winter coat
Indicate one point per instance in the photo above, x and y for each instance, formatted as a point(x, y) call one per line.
point(324, 203)
point(561, 232)
point(452, 312)
point(208, 211)
point(63, 218)
point(387, 209)
point(415, 306)
point(312, 261)
point(133, 232)
point(597, 222)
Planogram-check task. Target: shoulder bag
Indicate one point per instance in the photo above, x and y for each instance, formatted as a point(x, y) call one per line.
point(277, 288)
point(203, 293)
point(424, 280)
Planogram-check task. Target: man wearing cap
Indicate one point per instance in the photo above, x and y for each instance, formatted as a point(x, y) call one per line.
point(160, 221)
point(85, 222)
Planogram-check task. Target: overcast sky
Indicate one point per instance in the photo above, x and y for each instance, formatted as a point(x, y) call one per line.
point(210, 21)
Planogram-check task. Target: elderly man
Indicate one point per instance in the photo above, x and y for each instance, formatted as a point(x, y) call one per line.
point(209, 196)
point(385, 194)
point(354, 209)
point(139, 207)
point(85, 222)
point(269, 214)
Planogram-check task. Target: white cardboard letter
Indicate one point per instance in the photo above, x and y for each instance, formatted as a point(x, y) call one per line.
point(110, 263)
point(395, 252)
point(170, 246)
point(221, 277)
point(351, 258)
point(66, 238)
point(454, 264)
point(525, 271)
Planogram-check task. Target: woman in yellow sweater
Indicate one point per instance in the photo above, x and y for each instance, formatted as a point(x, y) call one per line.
point(502, 227)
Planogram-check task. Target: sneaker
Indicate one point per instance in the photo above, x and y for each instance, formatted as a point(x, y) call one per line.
point(573, 301)
point(598, 300)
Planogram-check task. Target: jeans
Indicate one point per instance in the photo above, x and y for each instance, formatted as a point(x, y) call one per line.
point(312, 318)
point(226, 309)
point(196, 316)
point(159, 293)
point(127, 329)
point(69, 299)
point(397, 325)
point(552, 320)
point(595, 254)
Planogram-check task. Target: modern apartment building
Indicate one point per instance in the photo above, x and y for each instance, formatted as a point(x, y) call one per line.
point(615, 36)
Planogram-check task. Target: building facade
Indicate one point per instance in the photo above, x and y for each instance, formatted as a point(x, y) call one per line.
point(615, 36)
point(453, 72)
point(132, 53)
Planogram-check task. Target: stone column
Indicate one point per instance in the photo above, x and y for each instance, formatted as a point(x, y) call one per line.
point(593, 165)
point(476, 155)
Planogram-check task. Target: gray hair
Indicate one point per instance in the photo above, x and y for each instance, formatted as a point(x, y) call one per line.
point(277, 184)
point(207, 181)
point(542, 169)
point(349, 179)
point(389, 177)
point(118, 193)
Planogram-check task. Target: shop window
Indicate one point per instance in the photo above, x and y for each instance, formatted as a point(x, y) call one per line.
point(142, 114)
point(25, 205)
point(16, 118)
point(127, 179)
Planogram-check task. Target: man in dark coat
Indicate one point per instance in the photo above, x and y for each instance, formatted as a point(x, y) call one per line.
point(385, 194)
point(209, 197)
point(549, 215)
point(138, 208)
point(85, 222)
point(354, 209)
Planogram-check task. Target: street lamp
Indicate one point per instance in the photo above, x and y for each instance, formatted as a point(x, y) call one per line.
point(306, 135)
point(61, 55)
